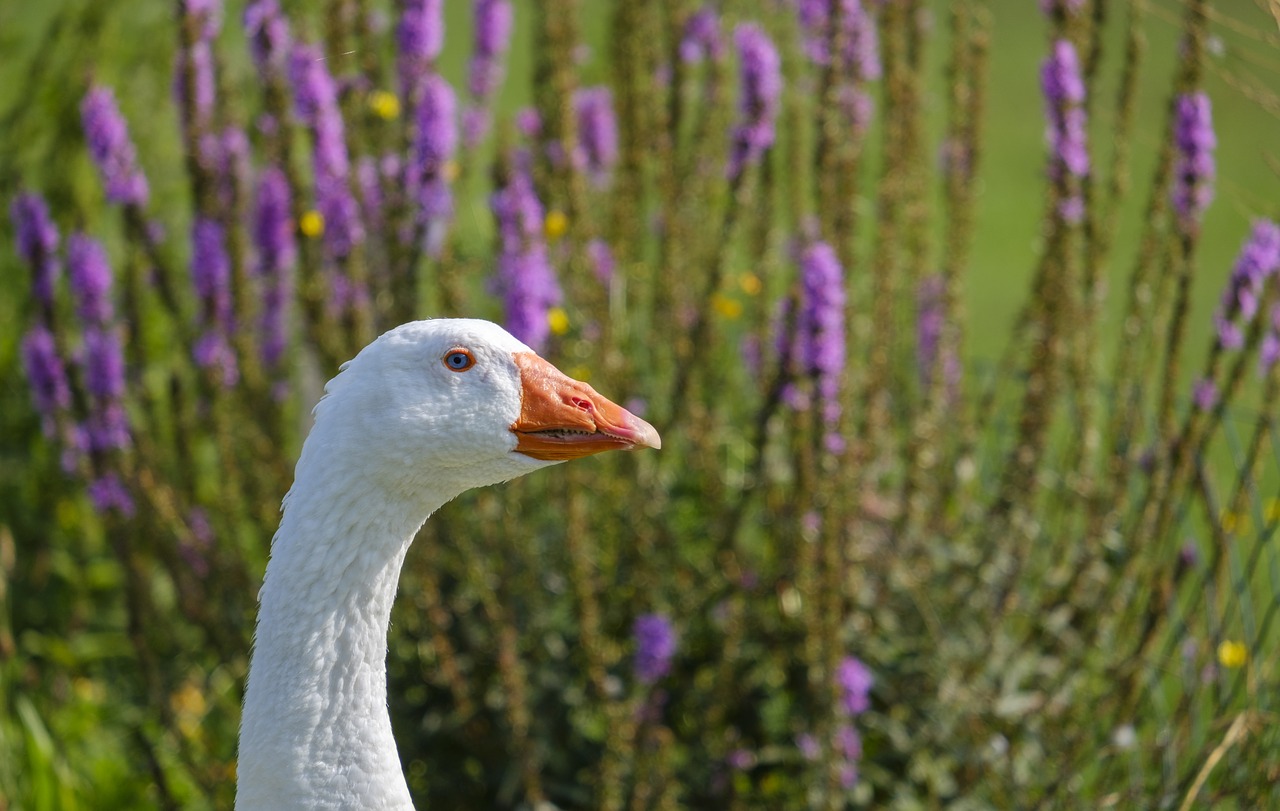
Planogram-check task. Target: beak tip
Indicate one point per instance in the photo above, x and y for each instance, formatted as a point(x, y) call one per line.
point(648, 437)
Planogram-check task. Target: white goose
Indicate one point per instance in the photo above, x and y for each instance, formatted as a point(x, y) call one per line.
point(427, 411)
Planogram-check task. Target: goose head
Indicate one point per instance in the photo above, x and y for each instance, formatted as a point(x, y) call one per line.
point(453, 404)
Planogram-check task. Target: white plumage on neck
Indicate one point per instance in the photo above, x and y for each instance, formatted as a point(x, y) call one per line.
point(316, 732)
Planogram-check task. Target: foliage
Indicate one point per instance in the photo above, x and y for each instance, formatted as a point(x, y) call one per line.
point(863, 571)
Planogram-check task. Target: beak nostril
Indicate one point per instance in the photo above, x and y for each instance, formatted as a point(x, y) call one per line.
point(579, 402)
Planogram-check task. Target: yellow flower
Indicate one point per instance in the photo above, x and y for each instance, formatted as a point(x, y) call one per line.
point(1233, 522)
point(558, 320)
point(555, 224)
point(189, 707)
point(727, 307)
point(311, 224)
point(384, 104)
point(582, 373)
point(750, 284)
point(1232, 654)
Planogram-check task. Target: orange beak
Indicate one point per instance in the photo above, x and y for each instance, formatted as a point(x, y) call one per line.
point(562, 418)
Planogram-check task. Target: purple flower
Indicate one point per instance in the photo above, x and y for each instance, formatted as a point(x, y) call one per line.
point(855, 682)
point(211, 277)
point(1230, 336)
point(103, 363)
point(112, 151)
point(761, 80)
point(89, 274)
point(212, 351)
point(597, 130)
point(107, 427)
point(1269, 352)
point(1259, 260)
point(1064, 94)
point(211, 271)
point(816, 346)
point(1189, 554)
point(1205, 394)
point(493, 23)
point(701, 39)
point(273, 237)
point(602, 261)
point(930, 319)
point(741, 759)
point(109, 494)
point(46, 374)
point(930, 322)
point(435, 145)
point(316, 102)
point(809, 747)
point(848, 742)
point(862, 42)
point(524, 274)
point(655, 647)
point(314, 91)
point(528, 123)
point(420, 36)
point(1194, 172)
point(194, 548)
point(37, 243)
point(268, 31)
point(194, 67)
point(475, 124)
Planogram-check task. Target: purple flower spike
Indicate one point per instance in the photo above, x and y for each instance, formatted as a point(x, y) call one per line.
point(269, 40)
point(37, 243)
point(493, 23)
point(197, 67)
point(815, 344)
point(597, 130)
point(1064, 94)
point(273, 237)
point(761, 79)
point(702, 38)
point(47, 376)
point(211, 271)
point(822, 281)
point(212, 351)
point(211, 276)
point(1269, 353)
point(89, 274)
point(103, 363)
point(420, 36)
point(855, 681)
point(862, 42)
point(525, 277)
point(437, 141)
point(112, 151)
point(1205, 394)
point(1259, 260)
point(109, 494)
point(602, 261)
point(655, 647)
point(107, 427)
point(1194, 173)
point(316, 101)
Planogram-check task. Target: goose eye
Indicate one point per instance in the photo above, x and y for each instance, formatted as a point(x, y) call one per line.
point(459, 360)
